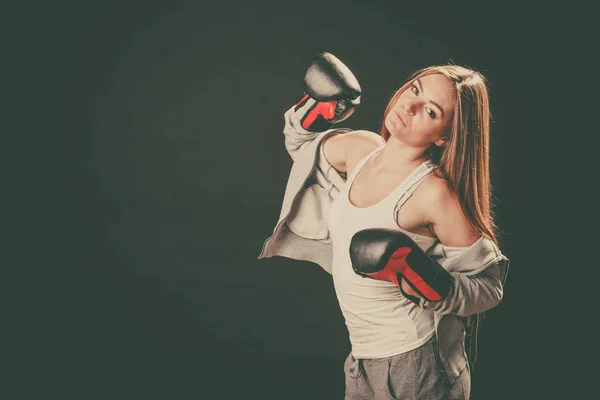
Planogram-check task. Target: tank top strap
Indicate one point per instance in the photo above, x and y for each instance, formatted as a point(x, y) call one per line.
point(359, 165)
point(414, 181)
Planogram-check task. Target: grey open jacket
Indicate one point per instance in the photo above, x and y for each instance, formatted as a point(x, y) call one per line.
point(302, 233)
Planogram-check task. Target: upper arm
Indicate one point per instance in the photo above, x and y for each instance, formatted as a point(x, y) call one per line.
point(340, 148)
point(446, 216)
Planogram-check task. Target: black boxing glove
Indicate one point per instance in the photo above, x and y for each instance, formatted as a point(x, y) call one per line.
point(332, 94)
point(390, 255)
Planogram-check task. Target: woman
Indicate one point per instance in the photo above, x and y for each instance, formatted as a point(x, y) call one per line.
point(427, 176)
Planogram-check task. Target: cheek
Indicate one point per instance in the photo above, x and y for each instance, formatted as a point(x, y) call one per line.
point(443, 129)
point(422, 126)
point(425, 131)
point(432, 128)
point(389, 123)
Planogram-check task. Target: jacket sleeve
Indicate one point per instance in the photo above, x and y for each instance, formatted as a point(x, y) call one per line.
point(296, 137)
point(472, 294)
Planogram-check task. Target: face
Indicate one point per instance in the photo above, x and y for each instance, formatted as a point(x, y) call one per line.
point(423, 113)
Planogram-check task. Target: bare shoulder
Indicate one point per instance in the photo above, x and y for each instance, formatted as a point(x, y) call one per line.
point(362, 141)
point(367, 137)
point(341, 150)
point(436, 191)
point(360, 144)
point(444, 212)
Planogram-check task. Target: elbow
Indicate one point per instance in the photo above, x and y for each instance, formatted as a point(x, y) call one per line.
point(486, 302)
point(491, 293)
point(498, 295)
point(493, 299)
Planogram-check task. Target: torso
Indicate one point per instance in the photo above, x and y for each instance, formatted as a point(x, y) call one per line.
point(381, 321)
point(370, 187)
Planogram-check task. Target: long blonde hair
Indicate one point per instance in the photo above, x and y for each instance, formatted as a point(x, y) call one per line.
point(464, 159)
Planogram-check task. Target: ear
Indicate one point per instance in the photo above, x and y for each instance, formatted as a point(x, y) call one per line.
point(440, 142)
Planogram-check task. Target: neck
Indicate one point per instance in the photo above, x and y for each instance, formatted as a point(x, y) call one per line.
point(396, 156)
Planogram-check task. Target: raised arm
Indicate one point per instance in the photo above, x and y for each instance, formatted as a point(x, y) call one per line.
point(332, 94)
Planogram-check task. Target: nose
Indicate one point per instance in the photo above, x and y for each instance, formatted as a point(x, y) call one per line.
point(409, 108)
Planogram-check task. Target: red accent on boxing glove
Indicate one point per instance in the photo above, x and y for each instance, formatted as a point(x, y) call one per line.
point(326, 110)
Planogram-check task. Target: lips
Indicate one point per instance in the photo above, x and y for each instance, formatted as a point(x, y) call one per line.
point(401, 118)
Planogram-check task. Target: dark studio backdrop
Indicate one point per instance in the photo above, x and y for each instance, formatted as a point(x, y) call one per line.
point(150, 168)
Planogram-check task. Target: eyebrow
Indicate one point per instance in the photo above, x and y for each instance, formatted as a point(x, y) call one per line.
point(431, 101)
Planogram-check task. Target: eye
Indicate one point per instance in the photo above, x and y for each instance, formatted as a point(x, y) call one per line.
point(415, 89)
point(430, 112)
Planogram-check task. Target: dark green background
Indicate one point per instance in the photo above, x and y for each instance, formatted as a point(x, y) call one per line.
point(144, 142)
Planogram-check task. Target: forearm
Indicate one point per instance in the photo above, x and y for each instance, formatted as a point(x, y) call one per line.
point(296, 137)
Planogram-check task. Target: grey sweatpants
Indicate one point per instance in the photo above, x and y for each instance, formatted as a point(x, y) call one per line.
point(413, 375)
